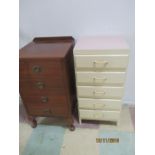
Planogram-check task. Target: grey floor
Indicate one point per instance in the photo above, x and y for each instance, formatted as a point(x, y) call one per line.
point(126, 124)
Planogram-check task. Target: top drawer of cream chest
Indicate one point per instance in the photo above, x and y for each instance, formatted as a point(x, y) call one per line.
point(101, 54)
point(101, 62)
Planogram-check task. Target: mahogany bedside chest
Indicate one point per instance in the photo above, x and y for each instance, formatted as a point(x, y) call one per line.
point(46, 78)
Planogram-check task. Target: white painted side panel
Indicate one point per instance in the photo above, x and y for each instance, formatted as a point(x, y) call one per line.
point(99, 104)
point(100, 78)
point(100, 92)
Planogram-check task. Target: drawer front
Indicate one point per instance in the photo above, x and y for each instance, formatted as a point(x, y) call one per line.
point(46, 100)
point(101, 62)
point(42, 84)
point(48, 111)
point(100, 92)
point(100, 78)
point(100, 115)
point(44, 69)
point(99, 104)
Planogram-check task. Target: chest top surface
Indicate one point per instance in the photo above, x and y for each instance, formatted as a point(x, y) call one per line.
point(101, 43)
point(47, 47)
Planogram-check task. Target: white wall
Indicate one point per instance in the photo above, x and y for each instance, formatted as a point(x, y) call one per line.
point(78, 18)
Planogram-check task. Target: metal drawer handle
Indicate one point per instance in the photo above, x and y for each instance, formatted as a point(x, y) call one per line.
point(44, 99)
point(100, 62)
point(40, 85)
point(95, 92)
point(95, 79)
point(95, 106)
point(36, 69)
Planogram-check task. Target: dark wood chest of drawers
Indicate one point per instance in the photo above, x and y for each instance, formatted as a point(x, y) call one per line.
point(47, 84)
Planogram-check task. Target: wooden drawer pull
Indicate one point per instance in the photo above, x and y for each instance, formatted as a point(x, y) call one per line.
point(36, 69)
point(44, 99)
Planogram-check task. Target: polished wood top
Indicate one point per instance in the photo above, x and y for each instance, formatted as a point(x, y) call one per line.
point(47, 47)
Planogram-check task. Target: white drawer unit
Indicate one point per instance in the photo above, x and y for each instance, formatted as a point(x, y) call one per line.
point(99, 104)
point(100, 92)
point(100, 115)
point(100, 69)
point(101, 62)
point(100, 78)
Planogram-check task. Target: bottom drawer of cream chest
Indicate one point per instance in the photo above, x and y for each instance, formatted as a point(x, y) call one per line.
point(99, 104)
point(99, 115)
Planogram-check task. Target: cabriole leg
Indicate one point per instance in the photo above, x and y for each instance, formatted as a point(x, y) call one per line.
point(71, 124)
point(32, 121)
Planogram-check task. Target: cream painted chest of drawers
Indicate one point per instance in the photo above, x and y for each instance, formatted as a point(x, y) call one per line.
point(100, 69)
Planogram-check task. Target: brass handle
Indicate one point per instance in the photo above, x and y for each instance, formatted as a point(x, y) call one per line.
point(36, 69)
point(44, 99)
point(103, 79)
point(40, 85)
point(94, 106)
point(95, 92)
point(104, 63)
